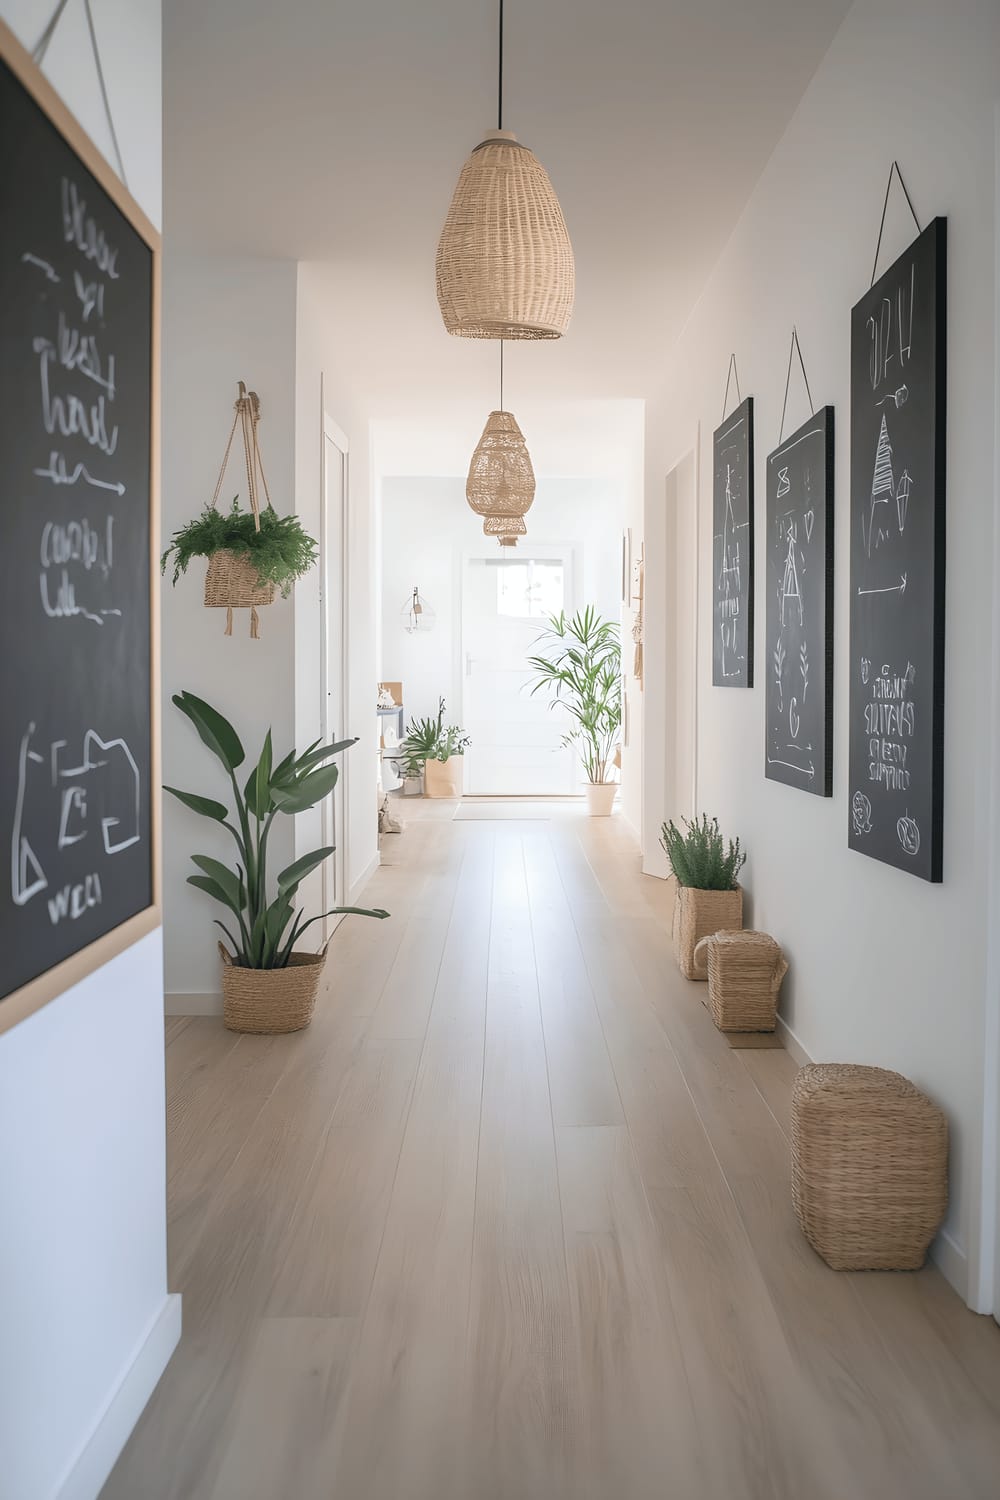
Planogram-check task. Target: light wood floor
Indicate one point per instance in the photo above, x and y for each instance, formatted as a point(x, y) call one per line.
point(512, 1220)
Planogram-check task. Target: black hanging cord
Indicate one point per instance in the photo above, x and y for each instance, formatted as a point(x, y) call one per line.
point(38, 56)
point(500, 74)
point(731, 372)
point(794, 348)
point(885, 205)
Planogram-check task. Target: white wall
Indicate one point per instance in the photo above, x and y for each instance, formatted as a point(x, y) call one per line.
point(83, 1278)
point(223, 321)
point(884, 968)
point(427, 528)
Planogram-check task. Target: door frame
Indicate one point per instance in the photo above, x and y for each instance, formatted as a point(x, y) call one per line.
point(333, 809)
point(528, 550)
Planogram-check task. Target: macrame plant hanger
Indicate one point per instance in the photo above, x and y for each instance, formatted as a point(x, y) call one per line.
point(232, 581)
point(794, 348)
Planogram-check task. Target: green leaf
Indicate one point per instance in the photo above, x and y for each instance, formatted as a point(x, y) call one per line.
point(290, 877)
point(223, 876)
point(204, 805)
point(214, 889)
point(306, 791)
point(312, 757)
point(215, 731)
point(258, 788)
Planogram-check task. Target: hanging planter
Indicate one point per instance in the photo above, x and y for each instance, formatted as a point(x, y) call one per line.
point(250, 554)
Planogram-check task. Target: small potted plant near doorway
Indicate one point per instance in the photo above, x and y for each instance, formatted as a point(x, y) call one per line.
point(268, 985)
point(437, 750)
point(709, 897)
point(580, 664)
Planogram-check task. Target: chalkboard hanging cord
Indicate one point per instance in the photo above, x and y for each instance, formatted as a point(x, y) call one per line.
point(794, 348)
point(731, 372)
point(42, 46)
point(881, 228)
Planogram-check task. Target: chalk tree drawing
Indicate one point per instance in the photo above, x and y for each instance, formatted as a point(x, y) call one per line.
point(732, 580)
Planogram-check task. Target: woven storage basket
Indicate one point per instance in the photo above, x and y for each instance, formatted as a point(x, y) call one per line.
point(745, 970)
point(232, 582)
point(504, 261)
point(697, 914)
point(268, 1001)
point(869, 1167)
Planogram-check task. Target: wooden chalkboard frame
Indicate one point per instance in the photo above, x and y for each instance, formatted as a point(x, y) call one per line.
point(22, 1002)
point(732, 556)
point(811, 550)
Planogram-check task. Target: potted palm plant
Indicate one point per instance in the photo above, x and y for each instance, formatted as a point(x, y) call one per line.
point(709, 897)
point(580, 664)
point(436, 750)
point(268, 985)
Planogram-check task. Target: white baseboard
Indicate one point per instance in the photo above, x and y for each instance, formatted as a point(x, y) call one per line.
point(364, 878)
point(182, 1004)
point(792, 1045)
point(951, 1260)
point(89, 1471)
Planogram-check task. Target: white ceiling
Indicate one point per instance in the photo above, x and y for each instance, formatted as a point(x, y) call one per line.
point(334, 130)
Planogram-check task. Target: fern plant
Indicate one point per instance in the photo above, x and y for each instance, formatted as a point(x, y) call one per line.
point(268, 923)
point(581, 667)
point(699, 856)
point(281, 551)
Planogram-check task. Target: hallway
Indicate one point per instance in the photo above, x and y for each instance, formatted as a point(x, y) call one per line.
point(512, 1220)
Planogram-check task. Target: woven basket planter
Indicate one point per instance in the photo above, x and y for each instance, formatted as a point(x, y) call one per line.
point(443, 778)
point(869, 1167)
point(271, 1001)
point(232, 582)
point(504, 261)
point(698, 914)
point(745, 970)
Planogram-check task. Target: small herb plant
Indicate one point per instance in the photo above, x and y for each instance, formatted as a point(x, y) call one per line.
point(430, 739)
point(280, 551)
point(699, 856)
point(268, 924)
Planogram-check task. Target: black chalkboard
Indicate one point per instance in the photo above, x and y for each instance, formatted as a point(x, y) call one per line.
point(76, 671)
point(732, 549)
point(799, 549)
point(898, 338)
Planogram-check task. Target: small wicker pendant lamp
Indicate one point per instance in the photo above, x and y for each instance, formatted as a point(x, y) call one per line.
point(504, 261)
point(501, 482)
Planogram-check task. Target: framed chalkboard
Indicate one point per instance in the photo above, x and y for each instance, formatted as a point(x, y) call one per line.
point(79, 793)
point(799, 550)
point(732, 549)
point(898, 339)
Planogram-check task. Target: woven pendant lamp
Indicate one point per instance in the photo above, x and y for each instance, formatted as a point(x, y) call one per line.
point(504, 261)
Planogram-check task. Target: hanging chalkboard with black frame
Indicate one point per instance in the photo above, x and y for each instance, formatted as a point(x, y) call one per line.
point(79, 681)
point(732, 549)
point(799, 643)
point(896, 705)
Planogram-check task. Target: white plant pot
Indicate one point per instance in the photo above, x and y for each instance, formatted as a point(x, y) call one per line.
point(413, 786)
point(600, 798)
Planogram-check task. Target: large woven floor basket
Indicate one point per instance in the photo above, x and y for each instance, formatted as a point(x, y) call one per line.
point(270, 1001)
point(232, 582)
point(869, 1167)
point(745, 970)
point(697, 914)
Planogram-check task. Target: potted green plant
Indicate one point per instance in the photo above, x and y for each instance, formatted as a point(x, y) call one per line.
point(709, 897)
point(267, 984)
point(581, 666)
point(277, 553)
point(435, 750)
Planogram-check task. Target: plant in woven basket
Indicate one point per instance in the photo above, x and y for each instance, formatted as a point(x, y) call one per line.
point(431, 739)
point(280, 551)
point(581, 667)
point(268, 922)
point(699, 857)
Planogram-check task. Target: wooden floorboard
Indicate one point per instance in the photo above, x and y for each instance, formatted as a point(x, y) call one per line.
point(511, 1220)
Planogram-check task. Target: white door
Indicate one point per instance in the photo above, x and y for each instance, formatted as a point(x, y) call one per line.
point(333, 638)
point(515, 749)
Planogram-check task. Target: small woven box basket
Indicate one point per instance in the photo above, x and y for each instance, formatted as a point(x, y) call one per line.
point(745, 970)
point(869, 1167)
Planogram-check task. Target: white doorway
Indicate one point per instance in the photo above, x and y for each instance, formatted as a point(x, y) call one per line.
point(506, 596)
point(333, 652)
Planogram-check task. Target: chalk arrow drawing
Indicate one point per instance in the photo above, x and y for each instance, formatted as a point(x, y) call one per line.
point(897, 588)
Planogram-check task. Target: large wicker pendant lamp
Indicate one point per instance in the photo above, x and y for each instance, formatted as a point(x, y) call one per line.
point(504, 261)
point(501, 482)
